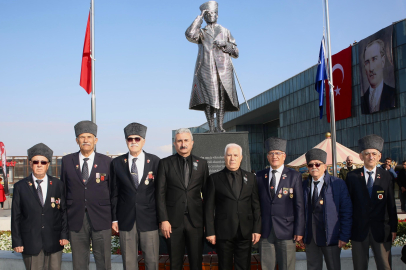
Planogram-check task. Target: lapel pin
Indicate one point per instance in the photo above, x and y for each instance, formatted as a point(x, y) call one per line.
point(321, 201)
point(50, 182)
point(378, 176)
point(148, 160)
point(29, 183)
point(95, 165)
point(380, 196)
point(197, 160)
point(125, 160)
point(266, 176)
point(362, 174)
point(77, 166)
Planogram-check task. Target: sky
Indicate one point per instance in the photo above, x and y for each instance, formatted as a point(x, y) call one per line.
point(144, 64)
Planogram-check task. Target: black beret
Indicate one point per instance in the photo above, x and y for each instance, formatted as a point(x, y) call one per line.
point(85, 127)
point(371, 142)
point(40, 150)
point(135, 129)
point(316, 154)
point(274, 143)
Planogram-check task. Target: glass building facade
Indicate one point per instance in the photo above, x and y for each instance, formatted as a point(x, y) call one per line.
point(290, 110)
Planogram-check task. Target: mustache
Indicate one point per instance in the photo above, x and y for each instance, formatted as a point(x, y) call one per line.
point(134, 144)
point(86, 144)
point(183, 147)
point(314, 170)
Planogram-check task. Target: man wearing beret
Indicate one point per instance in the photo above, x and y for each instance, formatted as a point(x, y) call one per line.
point(282, 209)
point(39, 228)
point(181, 182)
point(328, 213)
point(133, 206)
point(374, 211)
point(86, 175)
point(233, 216)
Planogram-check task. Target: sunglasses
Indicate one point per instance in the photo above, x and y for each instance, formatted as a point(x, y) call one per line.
point(136, 139)
point(310, 165)
point(36, 162)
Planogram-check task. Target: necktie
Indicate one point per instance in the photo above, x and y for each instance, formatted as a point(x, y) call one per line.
point(186, 171)
point(272, 185)
point(315, 197)
point(85, 170)
point(235, 184)
point(134, 173)
point(370, 183)
point(39, 192)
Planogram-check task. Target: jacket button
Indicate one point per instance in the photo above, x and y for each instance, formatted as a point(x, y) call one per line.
point(85, 200)
point(42, 214)
point(42, 226)
point(85, 187)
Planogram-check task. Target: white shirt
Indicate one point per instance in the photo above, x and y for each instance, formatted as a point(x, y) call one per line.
point(139, 163)
point(278, 175)
point(44, 186)
point(319, 185)
point(89, 162)
point(367, 175)
point(375, 97)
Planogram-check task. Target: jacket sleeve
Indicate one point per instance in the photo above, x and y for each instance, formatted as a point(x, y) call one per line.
point(209, 207)
point(64, 213)
point(256, 208)
point(345, 212)
point(193, 32)
point(299, 207)
point(16, 238)
point(113, 192)
point(160, 192)
point(391, 208)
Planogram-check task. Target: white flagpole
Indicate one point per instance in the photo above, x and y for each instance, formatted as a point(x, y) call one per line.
point(92, 55)
point(331, 93)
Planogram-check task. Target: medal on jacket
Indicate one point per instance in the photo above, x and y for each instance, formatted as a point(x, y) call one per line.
point(321, 201)
point(291, 193)
point(150, 177)
point(195, 166)
point(285, 191)
point(245, 179)
point(97, 178)
point(53, 205)
point(280, 194)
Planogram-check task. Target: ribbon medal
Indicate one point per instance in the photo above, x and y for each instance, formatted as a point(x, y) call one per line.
point(280, 194)
point(291, 193)
point(97, 178)
point(195, 166)
point(285, 191)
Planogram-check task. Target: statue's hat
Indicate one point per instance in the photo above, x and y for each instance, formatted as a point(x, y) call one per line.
point(210, 6)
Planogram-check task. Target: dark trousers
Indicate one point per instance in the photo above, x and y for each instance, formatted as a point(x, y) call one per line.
point(238, 248)
point(43, 261)
point(187, 236)
point(402, 197)
point(315, 254)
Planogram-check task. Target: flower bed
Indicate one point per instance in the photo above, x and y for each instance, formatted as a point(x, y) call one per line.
point(5, 241)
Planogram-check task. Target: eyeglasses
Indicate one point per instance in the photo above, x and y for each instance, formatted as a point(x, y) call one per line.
point(310, 165)
point(36, 162)
point(136, 139)
point(272, 154)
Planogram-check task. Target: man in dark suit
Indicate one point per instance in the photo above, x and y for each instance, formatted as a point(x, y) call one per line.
point(328, 212)
point(133, 208)
point(374, 211)
point(39, 228)
point(401, 180)
point(379, 96)
point(282, 209)
point(233, 215)
point(180, 184)
point(86, 175)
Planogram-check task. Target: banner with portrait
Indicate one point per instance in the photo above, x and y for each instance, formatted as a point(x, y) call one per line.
point(377, 72)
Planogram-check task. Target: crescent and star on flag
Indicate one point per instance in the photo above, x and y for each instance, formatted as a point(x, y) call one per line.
point(340, 67)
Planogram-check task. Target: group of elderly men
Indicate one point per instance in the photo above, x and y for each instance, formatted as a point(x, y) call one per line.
point(137, 193)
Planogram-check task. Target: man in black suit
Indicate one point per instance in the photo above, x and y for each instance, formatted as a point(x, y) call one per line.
point(374, 211)
point(282, 208)
point(233, 215)
point(379, 96)
point(133, 208)
point(86, 175)
point(180, 184)
point(39, 228)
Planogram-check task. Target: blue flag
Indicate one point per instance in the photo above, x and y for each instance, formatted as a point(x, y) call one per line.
point(320, 77)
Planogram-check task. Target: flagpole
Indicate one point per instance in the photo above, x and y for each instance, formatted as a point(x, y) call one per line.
point(331, 93)
point(93, 63)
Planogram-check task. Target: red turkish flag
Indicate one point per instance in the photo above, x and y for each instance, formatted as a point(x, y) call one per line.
point(342, 80)
point(86, 73)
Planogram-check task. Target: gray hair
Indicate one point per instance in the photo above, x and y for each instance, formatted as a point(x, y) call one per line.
point(183, 130)
point(232, 145)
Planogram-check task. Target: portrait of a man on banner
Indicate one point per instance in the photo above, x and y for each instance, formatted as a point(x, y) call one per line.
point(377, 72)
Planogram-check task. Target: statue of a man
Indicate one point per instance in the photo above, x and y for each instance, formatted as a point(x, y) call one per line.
point(213, 89)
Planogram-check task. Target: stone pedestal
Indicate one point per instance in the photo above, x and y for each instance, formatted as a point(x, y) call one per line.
point(210, 146)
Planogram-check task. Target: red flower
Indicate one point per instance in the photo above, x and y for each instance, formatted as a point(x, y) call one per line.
point(50, 182)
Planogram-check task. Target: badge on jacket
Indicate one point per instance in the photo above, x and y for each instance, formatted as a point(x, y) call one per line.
point(97, 178)
point(195, 166)
point(291, 193)
point(245, 179)
point(280, 194)
point(150, 177)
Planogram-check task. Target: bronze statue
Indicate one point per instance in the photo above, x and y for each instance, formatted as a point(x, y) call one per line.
point(214, 89)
